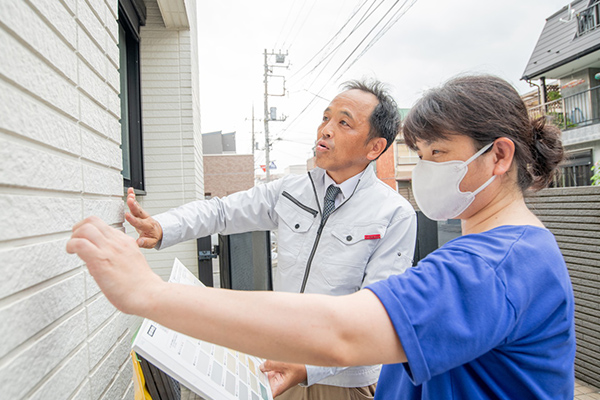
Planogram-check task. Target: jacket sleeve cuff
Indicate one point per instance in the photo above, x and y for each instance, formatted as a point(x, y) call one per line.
point(317, 374)
point(170, 226)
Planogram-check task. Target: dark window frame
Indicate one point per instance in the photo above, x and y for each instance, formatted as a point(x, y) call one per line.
point(130, 22)
point(575, 170)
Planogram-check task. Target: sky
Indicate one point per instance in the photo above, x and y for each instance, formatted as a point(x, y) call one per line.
point(430, 42)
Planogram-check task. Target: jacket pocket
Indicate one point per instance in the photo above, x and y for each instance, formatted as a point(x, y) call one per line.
point(295, 223)
point(348, 253)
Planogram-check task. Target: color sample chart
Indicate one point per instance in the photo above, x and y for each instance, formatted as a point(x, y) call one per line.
point(236, 372)
point(211, 371)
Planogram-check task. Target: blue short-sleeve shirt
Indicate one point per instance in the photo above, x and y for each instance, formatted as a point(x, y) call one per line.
point(486, 316)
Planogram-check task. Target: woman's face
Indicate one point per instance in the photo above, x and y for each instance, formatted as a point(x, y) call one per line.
point(461, 148)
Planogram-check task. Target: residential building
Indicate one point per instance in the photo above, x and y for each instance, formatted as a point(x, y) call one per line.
point(405, 160)
point(385, 167)
point(568, 54)
point(296, 169)
point(218, 143)
point(79, 79)
point(225, 172)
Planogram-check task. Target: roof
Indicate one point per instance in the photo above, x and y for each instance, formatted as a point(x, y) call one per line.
point(559, 44)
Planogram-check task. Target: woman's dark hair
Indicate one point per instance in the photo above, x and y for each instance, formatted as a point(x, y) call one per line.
point(486, 108)
point(385, 118)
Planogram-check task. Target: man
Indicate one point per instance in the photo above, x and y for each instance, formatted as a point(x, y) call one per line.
point(339, 227)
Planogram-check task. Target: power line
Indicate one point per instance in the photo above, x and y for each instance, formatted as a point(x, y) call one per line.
point(330, 40)
point(391, 21)
point(365, 37)
point(395, 18)
point(294, 23)
point(359, 23)
point(301, 26)
point(284, 25)
point(330, 55)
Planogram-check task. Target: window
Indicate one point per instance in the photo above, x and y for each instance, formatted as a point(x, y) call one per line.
point(575, 170)
point(587, 20)
point(131, 108)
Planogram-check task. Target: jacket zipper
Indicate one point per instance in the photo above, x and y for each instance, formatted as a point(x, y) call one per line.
point(302, 206)
point(319, 231)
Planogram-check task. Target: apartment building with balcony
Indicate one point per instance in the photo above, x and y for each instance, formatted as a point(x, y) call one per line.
point(565, 67)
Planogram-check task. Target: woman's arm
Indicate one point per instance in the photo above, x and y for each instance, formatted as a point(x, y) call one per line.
point(300, 328)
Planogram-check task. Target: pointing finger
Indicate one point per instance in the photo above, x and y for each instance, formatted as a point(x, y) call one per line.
point(135, 208)
point(135, 222)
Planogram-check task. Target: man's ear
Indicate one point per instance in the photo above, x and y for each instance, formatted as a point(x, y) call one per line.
point(377, 146)
point(504, 153)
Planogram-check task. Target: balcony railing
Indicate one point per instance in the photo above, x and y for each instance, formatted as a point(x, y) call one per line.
point(570, 112)
point(588, 19)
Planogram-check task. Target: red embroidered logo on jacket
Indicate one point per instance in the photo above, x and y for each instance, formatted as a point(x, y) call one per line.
point(368, 237)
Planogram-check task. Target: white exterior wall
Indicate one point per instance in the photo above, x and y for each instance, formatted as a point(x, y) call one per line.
point(197, 133)
point(170, 118)
point(60, 161)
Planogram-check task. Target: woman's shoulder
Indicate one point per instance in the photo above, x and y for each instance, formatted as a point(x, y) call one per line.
point(500, 243)
point(505, 233)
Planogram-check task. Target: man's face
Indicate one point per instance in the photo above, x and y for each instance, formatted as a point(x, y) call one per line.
point(342, 146)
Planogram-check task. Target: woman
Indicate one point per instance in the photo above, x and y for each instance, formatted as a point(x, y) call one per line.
point(488, 315)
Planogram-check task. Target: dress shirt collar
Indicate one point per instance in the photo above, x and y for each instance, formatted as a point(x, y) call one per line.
point(347, 187)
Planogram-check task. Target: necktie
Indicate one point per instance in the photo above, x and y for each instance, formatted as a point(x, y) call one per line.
point(332, 192)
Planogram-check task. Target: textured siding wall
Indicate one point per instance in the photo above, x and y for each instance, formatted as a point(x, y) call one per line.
point(573, 215)
point(171, 153)
point(60, 161)
point(227, 174)
point(195, 69)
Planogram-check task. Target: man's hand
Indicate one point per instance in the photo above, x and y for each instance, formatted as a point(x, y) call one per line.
point(150, 231)
point(283, 376)
point(116, 263)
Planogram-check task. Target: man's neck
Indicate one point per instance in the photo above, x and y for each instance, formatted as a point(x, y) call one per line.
point(342, 176)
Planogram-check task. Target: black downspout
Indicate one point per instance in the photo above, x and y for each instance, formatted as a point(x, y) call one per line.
point(544, 90)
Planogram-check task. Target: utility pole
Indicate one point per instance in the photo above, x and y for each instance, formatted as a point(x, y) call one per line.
point(266, 119)
point(253, 141)
point(279, 59)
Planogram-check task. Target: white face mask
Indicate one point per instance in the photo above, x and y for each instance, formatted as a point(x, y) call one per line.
point(436, 187)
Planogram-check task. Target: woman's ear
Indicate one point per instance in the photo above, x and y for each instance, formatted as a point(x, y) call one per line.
point(377, 147)
point(504, 152)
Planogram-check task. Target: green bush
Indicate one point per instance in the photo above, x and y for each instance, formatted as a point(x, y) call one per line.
point(553, 95)
point(596, 177)
point(558, 119)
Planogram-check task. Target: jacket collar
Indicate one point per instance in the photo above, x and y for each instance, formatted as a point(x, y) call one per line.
point(367, 179)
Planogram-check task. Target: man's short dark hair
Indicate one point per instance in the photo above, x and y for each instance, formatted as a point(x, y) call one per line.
point(385, 118)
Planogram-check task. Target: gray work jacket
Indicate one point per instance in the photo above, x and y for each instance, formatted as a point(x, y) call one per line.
point(367, 238)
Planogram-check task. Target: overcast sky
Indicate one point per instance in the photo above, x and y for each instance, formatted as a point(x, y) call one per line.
point(433, 41)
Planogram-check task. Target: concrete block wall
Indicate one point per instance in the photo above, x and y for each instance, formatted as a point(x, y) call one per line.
point(170, 124)
point(60, 161)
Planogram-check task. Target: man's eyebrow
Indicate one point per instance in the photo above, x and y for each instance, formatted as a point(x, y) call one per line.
point(344, 112)
point(347, 113)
